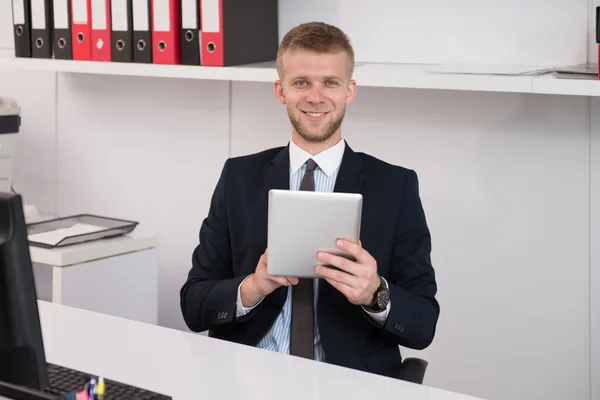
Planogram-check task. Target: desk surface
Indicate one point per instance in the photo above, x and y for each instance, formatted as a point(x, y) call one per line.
point(191, 366)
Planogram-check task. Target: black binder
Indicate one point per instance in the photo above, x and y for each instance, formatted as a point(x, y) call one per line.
point(122, 30)
point(41, 28)
point(62, 43)
point(142, 31)
point(190, 32)
point(22, 27)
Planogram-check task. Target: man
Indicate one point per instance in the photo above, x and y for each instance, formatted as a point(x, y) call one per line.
point(361, 313)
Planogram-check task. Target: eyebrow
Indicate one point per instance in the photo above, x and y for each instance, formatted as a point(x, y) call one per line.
point(330, 77)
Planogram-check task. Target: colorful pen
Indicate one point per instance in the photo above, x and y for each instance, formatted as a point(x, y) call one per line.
point(100, 389)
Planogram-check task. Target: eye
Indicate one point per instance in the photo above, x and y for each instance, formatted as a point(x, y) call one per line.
point(331, 83)
point(300, 83)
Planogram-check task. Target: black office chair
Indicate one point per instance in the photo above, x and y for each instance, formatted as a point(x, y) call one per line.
point(413, 370)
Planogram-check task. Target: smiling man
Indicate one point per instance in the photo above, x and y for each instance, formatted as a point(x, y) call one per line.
point(358, 315)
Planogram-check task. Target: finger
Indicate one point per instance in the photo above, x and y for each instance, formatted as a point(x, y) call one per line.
point(355, 249)
point(292, 280)
point(263, 259)
point(282, 281)
point(341, 262)
point(338, 276)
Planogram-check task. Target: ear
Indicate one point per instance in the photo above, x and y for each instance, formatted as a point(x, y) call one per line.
point(351, 91)
point(279, 93)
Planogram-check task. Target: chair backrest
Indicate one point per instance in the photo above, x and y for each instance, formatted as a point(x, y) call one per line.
point(413, 370)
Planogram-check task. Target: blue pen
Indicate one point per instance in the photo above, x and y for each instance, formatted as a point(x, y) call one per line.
point(92, 388)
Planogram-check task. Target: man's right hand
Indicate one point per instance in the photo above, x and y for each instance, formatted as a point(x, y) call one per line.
point(260, 283)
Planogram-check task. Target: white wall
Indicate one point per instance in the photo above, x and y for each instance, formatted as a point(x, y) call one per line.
point(595, 248)
point(459, 31)
point(504, 177)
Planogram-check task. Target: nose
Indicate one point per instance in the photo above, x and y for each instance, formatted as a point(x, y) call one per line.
point(315, 95)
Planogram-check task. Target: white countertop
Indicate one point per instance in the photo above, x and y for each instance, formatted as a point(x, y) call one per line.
point(192, 366)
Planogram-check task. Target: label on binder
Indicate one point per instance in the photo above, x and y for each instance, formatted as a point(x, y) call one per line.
point(161, 16)
point(140, 15)
point(61, 14)
point(210, 16)
point(119, 15)
point(189, 14)
point(38, 14)
point(19, 12)
point(80, 15)
point(99, 14)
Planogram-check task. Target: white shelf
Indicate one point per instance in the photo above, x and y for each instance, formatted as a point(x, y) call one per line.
point(253, 73)
point(366, 74)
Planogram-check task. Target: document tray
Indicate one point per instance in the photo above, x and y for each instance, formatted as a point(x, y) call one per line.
point(76, 229)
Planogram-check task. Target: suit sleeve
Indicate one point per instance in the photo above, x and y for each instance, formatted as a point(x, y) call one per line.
point(414, 309)
point(208, 297)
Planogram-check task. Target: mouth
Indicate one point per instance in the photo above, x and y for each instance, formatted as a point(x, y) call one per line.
point(315, 116)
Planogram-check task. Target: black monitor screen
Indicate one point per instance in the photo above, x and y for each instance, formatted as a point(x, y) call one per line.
point(22, 357)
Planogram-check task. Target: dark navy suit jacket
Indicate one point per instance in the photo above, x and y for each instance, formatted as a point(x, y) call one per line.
point(393, 230)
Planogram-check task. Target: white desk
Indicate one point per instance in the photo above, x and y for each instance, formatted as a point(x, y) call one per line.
point(116, 276)
point(190, 366)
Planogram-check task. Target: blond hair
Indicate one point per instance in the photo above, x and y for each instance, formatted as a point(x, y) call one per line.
point(318, 37)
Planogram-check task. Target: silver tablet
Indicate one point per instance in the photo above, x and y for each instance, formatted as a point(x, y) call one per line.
point(302, 223)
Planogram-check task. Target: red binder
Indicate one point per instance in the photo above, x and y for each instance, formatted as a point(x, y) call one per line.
point(211, 13)
point(101, 29)
point(81, 15)
point(166, 27)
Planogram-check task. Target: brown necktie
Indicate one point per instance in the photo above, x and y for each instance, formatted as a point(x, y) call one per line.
point(302, 326)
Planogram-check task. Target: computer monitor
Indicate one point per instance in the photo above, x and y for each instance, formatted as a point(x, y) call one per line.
point(22, 356)
point(24, 372)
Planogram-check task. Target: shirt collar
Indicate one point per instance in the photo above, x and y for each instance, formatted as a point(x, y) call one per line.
point(328, 160)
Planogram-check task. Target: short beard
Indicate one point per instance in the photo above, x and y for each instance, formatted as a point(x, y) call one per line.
point(329, 132)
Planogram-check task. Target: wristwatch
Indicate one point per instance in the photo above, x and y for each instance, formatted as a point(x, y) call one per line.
point(381, 298)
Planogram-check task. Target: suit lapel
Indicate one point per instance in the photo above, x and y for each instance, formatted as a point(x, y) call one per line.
point(277, 175)
point(351, 174)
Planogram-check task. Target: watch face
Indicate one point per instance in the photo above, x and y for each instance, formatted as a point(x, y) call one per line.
point(383, 297)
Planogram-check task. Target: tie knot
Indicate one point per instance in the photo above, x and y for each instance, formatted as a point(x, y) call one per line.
point(311, 165)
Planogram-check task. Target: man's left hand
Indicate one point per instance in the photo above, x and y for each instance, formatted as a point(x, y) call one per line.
point(357, 280)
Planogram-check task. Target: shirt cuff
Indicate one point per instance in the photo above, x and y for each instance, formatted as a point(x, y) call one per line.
point(380, 317)
point(240, 310)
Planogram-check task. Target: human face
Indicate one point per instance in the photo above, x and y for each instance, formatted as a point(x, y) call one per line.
point(316, 88)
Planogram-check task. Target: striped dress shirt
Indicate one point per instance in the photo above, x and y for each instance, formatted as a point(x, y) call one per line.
point(325, 175)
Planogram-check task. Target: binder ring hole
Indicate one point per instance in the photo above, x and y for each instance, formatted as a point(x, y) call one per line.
point(62, 43)
point(211, 47)
point(120, 45)
point(80, 37)
point(141, 45)
point(162, 46)
point(189, 36)
point(39, 42)
point(19, 30)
